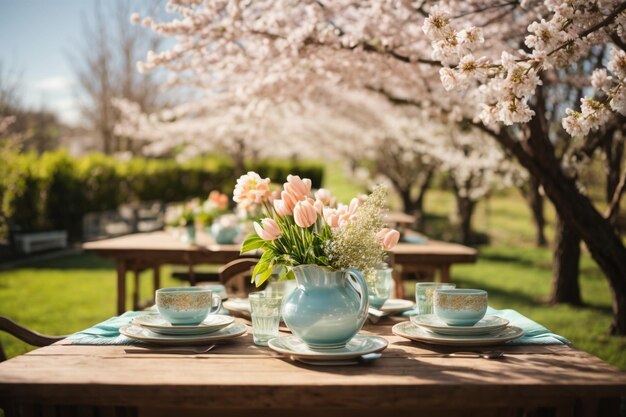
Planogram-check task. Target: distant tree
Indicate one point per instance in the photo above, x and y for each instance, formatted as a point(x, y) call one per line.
point(36, 130)
point(105, 68)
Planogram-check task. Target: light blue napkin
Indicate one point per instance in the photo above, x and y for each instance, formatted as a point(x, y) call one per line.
point(534, 333)
point(107, 332)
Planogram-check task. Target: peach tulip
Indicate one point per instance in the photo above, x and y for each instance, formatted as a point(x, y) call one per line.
point(290, 200)
point(268, 229)
point(304, 214)
point(319, 206)
point(324, 196)
point(297, 187)
point(355, 203)
point(331, 217)
point(388, 238)
point(281, 208)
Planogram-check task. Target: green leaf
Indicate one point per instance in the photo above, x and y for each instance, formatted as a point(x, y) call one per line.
point(264, 275)
point(288, 275)
point(260, 268)
point(252, 242)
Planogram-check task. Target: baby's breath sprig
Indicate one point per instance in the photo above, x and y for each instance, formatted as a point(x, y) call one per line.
point(356, 244)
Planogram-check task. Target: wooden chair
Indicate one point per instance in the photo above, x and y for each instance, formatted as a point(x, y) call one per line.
point(235, 276)
point(25, 335)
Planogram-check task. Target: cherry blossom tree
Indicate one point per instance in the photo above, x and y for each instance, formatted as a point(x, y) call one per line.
point(498, 66)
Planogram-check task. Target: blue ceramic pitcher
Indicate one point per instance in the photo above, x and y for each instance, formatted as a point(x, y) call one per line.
point(327, 308)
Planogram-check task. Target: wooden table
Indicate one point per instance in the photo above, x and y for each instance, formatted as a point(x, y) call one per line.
point(141, 251)
point(241, 379)
point(440, 256)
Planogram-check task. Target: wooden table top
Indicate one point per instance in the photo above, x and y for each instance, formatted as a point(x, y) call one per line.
point(165, 241)
point(161, 241)
point(240, 375)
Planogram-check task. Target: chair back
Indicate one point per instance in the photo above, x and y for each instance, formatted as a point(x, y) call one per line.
point(25, 335)
point(235, 276)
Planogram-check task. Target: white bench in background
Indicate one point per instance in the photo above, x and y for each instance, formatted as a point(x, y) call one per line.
point(35, 242)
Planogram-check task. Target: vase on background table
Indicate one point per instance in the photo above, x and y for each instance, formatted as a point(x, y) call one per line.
point(189, 234)
point(328, 308)
point(225, 229)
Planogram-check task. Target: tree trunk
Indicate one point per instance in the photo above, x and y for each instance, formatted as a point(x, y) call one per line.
point(614, 151)
point(565, 266)
point(465, 210)
point(535, 202)
point(576, 209)
point(415, 207)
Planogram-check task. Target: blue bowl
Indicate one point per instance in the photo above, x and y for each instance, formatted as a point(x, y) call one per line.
point(460, 307)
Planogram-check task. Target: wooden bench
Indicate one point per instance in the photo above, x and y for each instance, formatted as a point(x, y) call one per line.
point(36, 242)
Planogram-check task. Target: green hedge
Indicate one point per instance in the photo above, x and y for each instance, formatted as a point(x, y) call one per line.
point(54, 191)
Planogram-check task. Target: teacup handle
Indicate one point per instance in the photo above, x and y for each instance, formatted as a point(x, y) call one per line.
point(356, 279)
point(219, 303)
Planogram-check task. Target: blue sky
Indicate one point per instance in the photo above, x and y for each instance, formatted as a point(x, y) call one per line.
point(36, 37)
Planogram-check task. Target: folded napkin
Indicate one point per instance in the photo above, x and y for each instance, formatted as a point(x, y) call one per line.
point(107, 332)
point(534, 333)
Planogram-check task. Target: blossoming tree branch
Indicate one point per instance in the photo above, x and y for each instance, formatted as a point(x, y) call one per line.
point(530, 74)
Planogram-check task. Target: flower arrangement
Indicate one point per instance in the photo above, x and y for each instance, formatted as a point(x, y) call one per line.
point(299, 229)
point(214, 206)
point(202, 213)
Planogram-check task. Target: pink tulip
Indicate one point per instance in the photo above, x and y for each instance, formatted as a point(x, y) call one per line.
point(319, 206)
point(297, 187)
point(388, 238)
point(281, 208)
point(268, 229)
point(324, 196)
point(355, 203)
point(331, 217)
point(290, 200)
point(304, 214)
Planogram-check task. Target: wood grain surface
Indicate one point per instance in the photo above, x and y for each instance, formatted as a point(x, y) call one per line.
point(238, 375)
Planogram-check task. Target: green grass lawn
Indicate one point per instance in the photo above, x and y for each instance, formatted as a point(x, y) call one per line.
point(70, 293)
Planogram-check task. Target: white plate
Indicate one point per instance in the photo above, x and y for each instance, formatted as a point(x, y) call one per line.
point(136, 332)
point(359, 345)
point(158, 324)
point(239, 305)
point(489, 324)
point(413, 332)
point(396, 305)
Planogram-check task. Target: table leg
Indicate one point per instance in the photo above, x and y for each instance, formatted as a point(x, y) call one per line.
point(192, 275)
point(397, 277)
point(444, 273)
point(156, 279)
point(121, 286)
point(136, 280)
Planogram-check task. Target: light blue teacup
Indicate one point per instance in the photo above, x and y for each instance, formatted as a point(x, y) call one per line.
point(187, 305)
point(460, 307)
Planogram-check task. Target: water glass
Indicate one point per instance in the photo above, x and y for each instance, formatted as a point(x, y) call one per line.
point(379, 285)
point(424, 295)
point(265, 309)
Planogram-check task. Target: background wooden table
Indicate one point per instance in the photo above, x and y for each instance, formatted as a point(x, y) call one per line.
point(238, 378)
point(141, 251)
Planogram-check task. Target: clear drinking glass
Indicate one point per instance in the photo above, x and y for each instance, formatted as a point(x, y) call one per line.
point(424, 292)
point(265, 309)
point(379, 286)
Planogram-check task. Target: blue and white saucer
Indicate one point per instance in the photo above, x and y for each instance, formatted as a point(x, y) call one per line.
point(158, 324)
point(487, 325)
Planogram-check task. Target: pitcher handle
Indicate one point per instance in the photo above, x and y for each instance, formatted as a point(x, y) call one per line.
point(357, 280)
